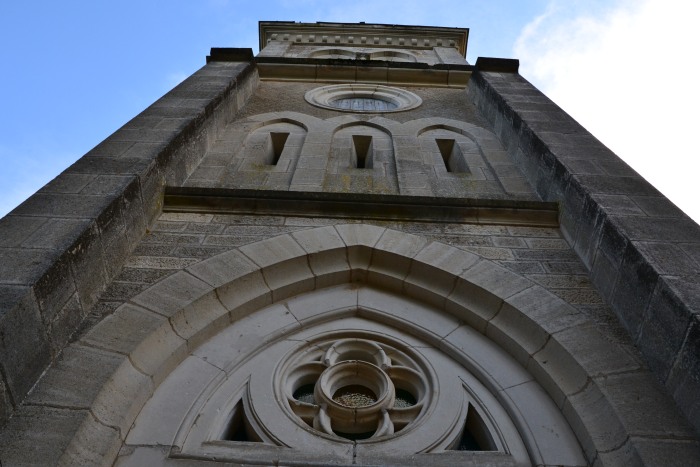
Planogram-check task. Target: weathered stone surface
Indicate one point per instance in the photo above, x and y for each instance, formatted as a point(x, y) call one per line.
point(683, 379)
point(39, 435)
point(94, 213)
point(24, 344)
point(76, 378)
point(621, 230)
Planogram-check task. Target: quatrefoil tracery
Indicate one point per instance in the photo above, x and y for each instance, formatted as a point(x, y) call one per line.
point(356, 389)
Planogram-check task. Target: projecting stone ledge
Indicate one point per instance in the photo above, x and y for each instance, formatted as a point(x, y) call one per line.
point(62, 246)
point(641, 250)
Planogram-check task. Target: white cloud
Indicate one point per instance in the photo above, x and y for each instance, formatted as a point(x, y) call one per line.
point(627, 73)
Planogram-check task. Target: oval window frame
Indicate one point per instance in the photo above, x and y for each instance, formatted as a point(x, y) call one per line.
point(324, 97)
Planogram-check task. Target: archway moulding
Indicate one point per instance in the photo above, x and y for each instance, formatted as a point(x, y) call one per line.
point(145, 339)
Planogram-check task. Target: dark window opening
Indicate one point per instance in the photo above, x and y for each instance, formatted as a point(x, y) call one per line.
point(277, 142)
point(452, 155)
point(363, 151)
point(238, 428)
point(475, 435)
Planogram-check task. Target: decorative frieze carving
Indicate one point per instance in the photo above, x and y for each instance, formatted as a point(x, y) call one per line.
point(416, 37)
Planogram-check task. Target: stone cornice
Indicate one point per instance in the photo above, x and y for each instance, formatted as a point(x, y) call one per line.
point(364, 35)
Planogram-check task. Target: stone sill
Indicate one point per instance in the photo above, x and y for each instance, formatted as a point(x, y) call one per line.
point(366, 71)
point(378, 207)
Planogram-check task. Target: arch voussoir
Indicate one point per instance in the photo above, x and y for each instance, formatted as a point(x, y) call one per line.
point(540, 331)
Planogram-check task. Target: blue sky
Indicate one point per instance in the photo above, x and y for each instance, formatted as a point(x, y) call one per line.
point(75, 71)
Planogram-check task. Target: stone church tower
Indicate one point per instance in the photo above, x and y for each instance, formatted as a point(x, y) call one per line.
point(354, 248)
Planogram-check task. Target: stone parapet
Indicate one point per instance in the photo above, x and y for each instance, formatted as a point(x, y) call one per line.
point(642, 252)
point(61, 247)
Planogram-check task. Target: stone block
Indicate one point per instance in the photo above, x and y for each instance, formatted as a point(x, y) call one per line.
point(246, 294)
point(472, 304)
point(14, 230)
point(124, 330)
point(122, 291)
point(684, 380)
point(108, 184)
point(135, 456)
point(594, 421)
point(88, 266)
point(643, 408)
point(93, 444)
point(64, 205)
point(186, 217)
point(360, 234)
point(21, 266)
point(612, 242)
point(667, 452)
point(484, 357)
point(248, 334)
point(24, 347)
point(39, 435)
point(116, 227)
point(561, 281)
point(122, 397)
point(618, 205)
point(68, 183)
point(273, 250)
point(161, 417)
point(658, 229)
point(76, 378)
point(549, 429)
point(664, 329)
point(330, 267)
point(604, 275)
point(548, 311)
point(312, 307)
point(398, 311)
point(686, 287)
point(223, 268)
point(433, 273)
point(289, 278)
point(66, 323)
point(172, 293)
point(55, 287)
point(159, 353)
point(495, 279)
point(657, 206)
point(360, 239)
point(667, 259)
point(519, 335)
point(391, 258)
point(319, 239)
point(633, 290)
point(202, 319)
point(6, 406)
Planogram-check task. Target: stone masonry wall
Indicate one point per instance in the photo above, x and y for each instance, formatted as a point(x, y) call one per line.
point(59, 411)
point(642, 252)
point(179, 240)
point(317, 155)
point(61, 247)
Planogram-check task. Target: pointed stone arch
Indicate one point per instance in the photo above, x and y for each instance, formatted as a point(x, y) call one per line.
point(153, 333)
point(270, 149)
point(361, 159)
point(469, 158)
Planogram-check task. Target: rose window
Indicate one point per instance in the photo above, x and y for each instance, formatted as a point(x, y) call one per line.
point(355, 389)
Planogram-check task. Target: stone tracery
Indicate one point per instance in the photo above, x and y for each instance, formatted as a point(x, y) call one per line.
point(358, 391)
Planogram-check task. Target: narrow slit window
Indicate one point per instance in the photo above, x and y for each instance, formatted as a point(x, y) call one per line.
point(277, 142)
point(452, 155)
point(362, 145)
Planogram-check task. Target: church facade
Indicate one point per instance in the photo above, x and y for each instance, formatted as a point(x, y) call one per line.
point(352, 248)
